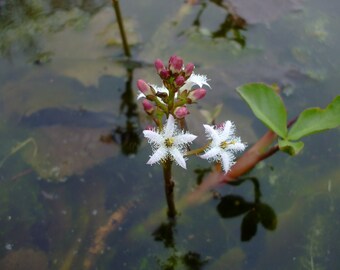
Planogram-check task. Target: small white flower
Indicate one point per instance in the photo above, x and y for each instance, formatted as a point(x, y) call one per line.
point(223, 145)
point(168, 143)
point(158, 89)
point(195, 79)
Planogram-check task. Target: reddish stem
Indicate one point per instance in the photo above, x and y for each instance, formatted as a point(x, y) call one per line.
point(259, 151)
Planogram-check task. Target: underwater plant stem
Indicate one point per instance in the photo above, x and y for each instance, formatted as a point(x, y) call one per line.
point(169, 188)
point(115, 4)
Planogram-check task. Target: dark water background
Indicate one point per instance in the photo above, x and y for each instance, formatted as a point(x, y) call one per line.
point(73, 158)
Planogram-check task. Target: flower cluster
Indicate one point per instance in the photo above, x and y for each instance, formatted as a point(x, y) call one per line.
point(181, 86)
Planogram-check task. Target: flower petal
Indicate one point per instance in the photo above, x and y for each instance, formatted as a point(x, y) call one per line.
point(228, 130)
point(170, 127)
point(213, 134)
point(227, 160)
point(153, 136)
point(197, 79)
point(178, 157)
point(184, 139)
point(161, 89)
point(212, 153)
point(157, 156)
point(237, 146)
point(140, 95)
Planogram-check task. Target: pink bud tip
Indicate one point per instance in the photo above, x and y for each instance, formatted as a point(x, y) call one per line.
point(164, 74)
point(197, 94)
point(159, 65)
point(148, 106)
point(189, 68)
point(179, 81)
point(175, 64)
point(220, 126)
point(181, 112)
point(144, 87)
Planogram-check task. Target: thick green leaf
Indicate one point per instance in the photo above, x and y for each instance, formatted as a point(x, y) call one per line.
point(314, 120)
point(291, 148)
point(267, 105)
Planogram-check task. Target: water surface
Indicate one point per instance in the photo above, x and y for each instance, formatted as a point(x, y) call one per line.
point(75, 192)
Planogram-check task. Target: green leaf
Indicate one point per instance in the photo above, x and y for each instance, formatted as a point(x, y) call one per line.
point(267, 105)
point(291, 148)
point(314, 120)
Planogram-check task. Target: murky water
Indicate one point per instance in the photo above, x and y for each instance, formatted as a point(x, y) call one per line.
point(75, 192)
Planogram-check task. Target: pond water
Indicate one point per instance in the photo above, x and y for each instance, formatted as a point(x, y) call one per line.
point(75, 192)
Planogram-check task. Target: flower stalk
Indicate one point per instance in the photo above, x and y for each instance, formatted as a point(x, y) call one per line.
point(115, 4)
point(181, 87)
point(169, 186)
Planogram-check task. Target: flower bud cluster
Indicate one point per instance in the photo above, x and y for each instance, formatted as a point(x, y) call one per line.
point(181, 86)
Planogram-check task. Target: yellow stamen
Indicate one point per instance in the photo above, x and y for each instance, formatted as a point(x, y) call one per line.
point(169, 142)
point(225, 144)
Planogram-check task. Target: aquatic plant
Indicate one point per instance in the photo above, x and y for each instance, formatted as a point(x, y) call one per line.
point(181, 87)
point(168, 107)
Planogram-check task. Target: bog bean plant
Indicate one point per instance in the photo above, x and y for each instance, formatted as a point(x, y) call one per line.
point(169, 104)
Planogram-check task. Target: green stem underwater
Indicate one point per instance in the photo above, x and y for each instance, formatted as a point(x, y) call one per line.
point(115, 4)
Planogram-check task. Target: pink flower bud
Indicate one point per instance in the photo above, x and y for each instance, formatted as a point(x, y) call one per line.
point(189, 68)
point(149, 127)
point(197, 94)
point(181, 112)
point(175, 64)
point(159, 65)
point(164, 74)
point(144, 88)
point(148, 106)
point(220, 125)
point(179, 81)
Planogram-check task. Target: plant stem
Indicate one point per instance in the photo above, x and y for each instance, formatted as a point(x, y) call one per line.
point(115, 4)
point(197, 151)
point(169, 188)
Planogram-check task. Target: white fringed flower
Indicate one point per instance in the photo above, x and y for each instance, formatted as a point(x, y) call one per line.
point(223, 145)
point(195, 79)
point(158, 89)
point(168, 143)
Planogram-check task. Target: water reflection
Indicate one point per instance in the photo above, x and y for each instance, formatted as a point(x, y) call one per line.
point(29, 27)
point(127, 135)
point(177, 259)
point(232, 28)
point(254, 212)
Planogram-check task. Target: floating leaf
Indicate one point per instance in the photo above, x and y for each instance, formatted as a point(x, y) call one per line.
point(314, 120)
point(267, 105)
point(291, 148)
